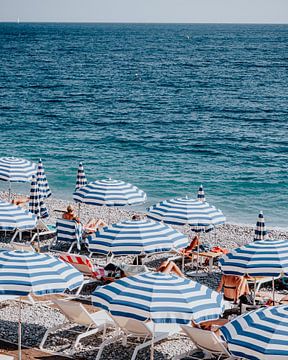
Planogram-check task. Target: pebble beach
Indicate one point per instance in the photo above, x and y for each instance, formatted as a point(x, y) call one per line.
point(41, 315)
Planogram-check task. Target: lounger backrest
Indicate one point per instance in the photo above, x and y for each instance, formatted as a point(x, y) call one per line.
point(74, 312)
point(84, 264)
point(132, 326)
point(65, 230)
point(131, 270)
point(205, 339)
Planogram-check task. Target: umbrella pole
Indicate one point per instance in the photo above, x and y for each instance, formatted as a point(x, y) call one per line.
point(79, 209)
point(273, 290)
point(9, 191)
point(254, 297)
point(19, 331)
point(152, 343)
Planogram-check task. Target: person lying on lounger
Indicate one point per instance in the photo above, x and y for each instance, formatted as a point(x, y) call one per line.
point(20, 200)
point(168, 267)
point(233, 287)
point(211, 325)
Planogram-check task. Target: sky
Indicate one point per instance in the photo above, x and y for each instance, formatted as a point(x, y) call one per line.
point(187, 11)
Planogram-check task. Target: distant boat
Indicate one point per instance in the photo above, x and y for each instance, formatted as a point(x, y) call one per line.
point(18, 20)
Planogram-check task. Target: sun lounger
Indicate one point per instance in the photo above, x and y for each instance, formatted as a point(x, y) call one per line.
point(86, 266)
point(147, 331)
point(76, 313)
point(205, 340)
point(67, 231)
point(42, 229)
point(131, 270)
point(260, 280)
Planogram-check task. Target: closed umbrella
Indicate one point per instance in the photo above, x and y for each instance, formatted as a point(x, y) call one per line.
point(81, 177)
point(16, 170)
point(43, 185)
point(23, 273)
point(260, 230)
point(36, 203)
point(259, 335)
point(201, 194)
point(136, 237)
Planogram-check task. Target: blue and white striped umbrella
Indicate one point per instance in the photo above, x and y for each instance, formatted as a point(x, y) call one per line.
point(24, 272)
point(259, 335)
point(81, 177)
point(199, 215)
point(36, 203)
point(43, 185)
point(16, 170)
point(14, 217)
point(260, 231)
point(260, 258)
point(109, 193)
point(136, 237)
point(201, 194)
point(159, 297)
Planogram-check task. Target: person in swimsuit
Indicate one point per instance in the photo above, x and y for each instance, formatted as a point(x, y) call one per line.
point(233, 287)
point(69, 214)
point(168, 267)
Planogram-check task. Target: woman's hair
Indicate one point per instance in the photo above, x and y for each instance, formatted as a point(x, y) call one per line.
point(70, 209)
point(136, 217)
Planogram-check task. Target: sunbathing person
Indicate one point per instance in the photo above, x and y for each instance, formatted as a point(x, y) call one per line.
point(20, 200)
point(211, 325)
point(93, 225)
point(193, 245)
point(168, 267)
point(233, 287)
point(69, 214)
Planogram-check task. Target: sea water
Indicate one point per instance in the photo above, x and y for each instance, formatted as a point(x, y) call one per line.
point(165, 107)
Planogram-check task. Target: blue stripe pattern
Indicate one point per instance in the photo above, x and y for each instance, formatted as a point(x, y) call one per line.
point(136, 237)
point(14, 217)
point(199, 215)
point(42, 181)
point(23, 272)
point(201, 194)
point(16, 170)
point(159, 297)
point(81, 177)
point(36, 203)
point(260, 231)
point(259, 335)
point(260, 258)
point(68, 231)
point(109, 193)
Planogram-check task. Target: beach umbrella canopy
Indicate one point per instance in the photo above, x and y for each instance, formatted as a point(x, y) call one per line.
point(43, 185)
point(259, 335)
point(201, 194)
point(36, 203)
point(14, 217)
point(199, 215)
point(109, 193)
point(162, 298)
point(81, 177)
point(23, 273)
point(260, 230)
point(136, 237)
point(16, 170)
point(260, 258)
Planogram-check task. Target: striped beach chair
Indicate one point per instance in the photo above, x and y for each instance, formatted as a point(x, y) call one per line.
point(85, 265)
point(68, 231)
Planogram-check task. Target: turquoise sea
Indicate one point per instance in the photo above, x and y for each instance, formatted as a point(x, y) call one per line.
point(165, 107)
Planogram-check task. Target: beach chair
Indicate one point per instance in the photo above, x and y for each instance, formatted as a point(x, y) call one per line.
point(131, 270)
point(135, 329)
point(41, 229)
point(260, 280)
point(67, 231)
point(207, 341)
point(76, 313)
point(92, 273)
point(23, 246)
